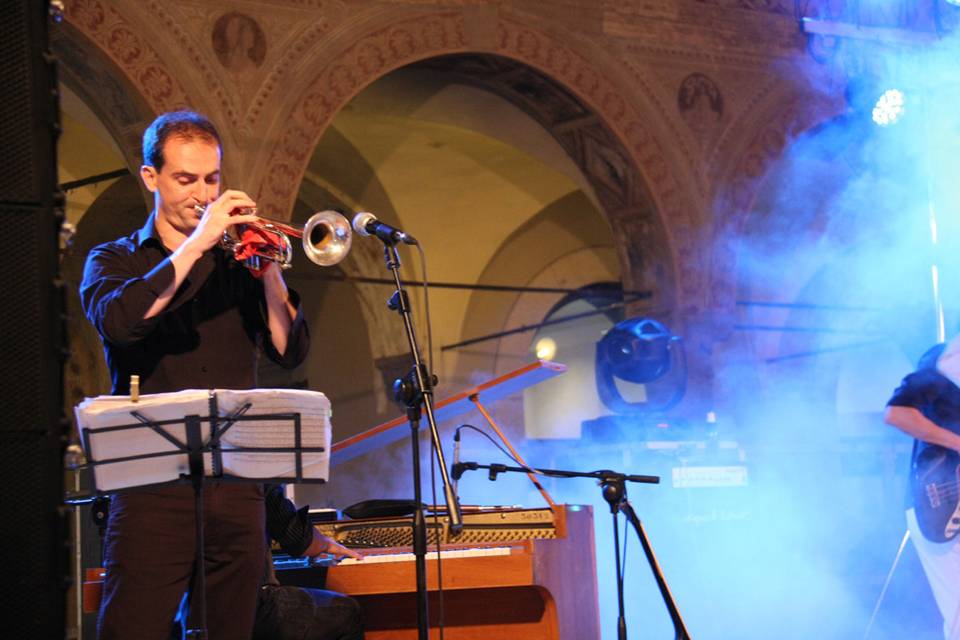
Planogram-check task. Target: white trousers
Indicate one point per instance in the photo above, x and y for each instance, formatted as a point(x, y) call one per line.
point(941, 563)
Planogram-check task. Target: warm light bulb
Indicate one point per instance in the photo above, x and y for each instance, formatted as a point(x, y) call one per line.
point(546, 349)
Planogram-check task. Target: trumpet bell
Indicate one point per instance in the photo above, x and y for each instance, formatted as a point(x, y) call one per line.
point(327, 237)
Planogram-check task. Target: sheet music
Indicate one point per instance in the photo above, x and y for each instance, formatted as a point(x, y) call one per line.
point(314, 410)
point(105, 447)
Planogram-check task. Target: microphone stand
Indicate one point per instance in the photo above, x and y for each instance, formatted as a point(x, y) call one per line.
point(415, 391)
point(614, 490)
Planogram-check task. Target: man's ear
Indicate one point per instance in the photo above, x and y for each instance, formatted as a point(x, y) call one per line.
point(149, 176)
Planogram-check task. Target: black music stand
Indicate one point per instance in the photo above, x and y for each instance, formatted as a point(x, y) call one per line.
point(196, 448)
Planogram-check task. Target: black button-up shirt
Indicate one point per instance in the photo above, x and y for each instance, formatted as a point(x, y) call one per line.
point(930, 392)
point(289, 526)
point(210, 334)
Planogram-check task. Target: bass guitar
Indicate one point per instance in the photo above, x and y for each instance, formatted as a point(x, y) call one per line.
point(934, 475)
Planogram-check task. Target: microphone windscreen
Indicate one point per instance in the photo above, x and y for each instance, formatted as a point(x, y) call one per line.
point(360, 222)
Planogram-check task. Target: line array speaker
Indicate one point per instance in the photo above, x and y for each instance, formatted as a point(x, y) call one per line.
point(32, 428)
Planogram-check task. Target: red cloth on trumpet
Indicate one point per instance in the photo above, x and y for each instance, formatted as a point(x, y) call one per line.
point(255, 241)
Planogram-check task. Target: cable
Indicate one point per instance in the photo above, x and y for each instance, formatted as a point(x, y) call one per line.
point(526, 467)
point(496, 444)
point(433, 452)
point(426, 310)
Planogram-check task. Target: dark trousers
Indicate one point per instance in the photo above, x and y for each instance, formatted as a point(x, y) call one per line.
point(149, 560)
point(295, 613)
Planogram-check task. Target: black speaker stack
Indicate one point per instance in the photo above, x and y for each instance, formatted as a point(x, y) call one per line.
point(32, 424)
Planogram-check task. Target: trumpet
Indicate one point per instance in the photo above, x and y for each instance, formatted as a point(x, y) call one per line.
point(326, 239)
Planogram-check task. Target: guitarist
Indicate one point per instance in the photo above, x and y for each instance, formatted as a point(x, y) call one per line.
point(926, 406)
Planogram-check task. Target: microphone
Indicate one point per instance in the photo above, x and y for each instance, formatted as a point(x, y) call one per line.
point(366, 224)
point(456, 471)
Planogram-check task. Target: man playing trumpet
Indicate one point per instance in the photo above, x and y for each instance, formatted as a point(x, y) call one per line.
point(174, 308)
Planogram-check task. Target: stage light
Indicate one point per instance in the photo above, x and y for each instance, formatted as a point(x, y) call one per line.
point(546, 349)
point(636, 350)
point(890, 107)
point(640, 351)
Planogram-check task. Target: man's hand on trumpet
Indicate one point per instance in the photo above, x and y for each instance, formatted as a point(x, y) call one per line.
point(218, 215)
point(208, 230)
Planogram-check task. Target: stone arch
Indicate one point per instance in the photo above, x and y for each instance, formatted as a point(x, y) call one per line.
point(136, 59)
point(748, 149)
point(204, 82)
point(165, 74)
point(373, 50)
point(86, 69)
point(577, 268)
point(786, 114)
point(567, 261)
point(608, 135)
point(148, 71)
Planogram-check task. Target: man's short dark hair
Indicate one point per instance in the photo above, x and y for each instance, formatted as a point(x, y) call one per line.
point(188, 125)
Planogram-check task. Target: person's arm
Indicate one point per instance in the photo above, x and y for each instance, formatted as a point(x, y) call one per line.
point(286, 335)
point(122, 301)
point(292, 530)
point(215, 220)
point(281, 313)
point(912, 422)
point(115, 292)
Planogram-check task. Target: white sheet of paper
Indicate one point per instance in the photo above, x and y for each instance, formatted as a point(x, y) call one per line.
point(314, 410)
point(109, 411)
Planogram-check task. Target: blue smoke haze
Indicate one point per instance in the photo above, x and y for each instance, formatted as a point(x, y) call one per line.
point(842, 227)
point(842, 230)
